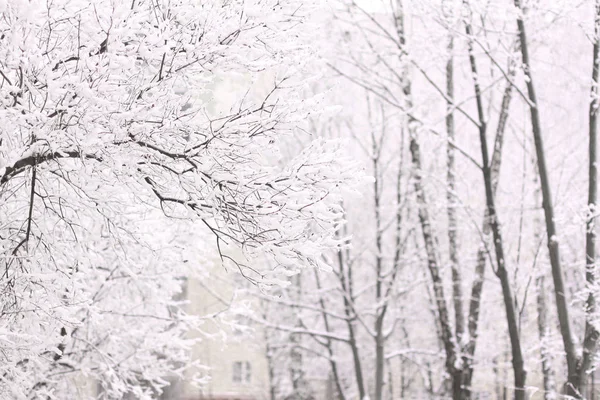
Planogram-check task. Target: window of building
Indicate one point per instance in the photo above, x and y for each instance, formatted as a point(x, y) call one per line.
point(242, 372)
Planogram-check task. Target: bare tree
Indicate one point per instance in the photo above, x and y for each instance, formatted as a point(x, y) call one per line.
point(577, 365)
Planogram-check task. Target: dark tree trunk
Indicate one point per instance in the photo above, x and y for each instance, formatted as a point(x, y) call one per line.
point(547, 370)
point(345, 275)
point(432, 262)
point(520, 374)
point(379, 286)
point(557, 273)
point(577, 367)
point(329, 344)
point(590, 339)
point(431, 249)
point(457, 296)
point(482, 252)
point(542, 309)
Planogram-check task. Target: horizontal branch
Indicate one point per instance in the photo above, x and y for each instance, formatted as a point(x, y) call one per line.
point(35, 159)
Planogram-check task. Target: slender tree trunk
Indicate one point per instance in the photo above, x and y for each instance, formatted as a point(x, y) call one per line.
point(432, 262)
point(461, 374)
point(457, 296)
point(270, 363)
point(405, 382)
point(497, 382)
point(446, 334)
point(402, 379)
point(296, 359)
point(272, 385)
point(505, 379)
point(547, 370)
point(460, 387)
point(477, 284)
point(520, 374)
point(379, 358)
point(390, 384)
point(577, 367)
point(382, 289)
point(347, 288)
point(429, 382)
point(509, 300)
point(542, 309)
point(557, 272)
point(329, 344)
point(590, 339)
point(381, 308)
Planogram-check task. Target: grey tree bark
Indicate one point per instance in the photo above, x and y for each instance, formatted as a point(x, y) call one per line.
point(547, 370)
point(382, 308)
point(443, 318)
point(460, 372)
point(345, 276)
point(452, 204)
point(482, 251)
point(329, 345)
point(590, 339)
point(577, 366)
point(542, 310)
point(520, 374)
